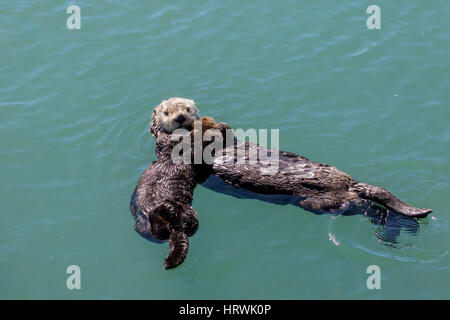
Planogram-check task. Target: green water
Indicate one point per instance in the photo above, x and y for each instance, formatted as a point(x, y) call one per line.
point(74, 113)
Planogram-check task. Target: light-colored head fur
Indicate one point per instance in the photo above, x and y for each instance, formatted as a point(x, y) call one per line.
point(172, 114)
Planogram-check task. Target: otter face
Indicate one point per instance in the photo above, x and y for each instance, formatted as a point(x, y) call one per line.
point(172, 114)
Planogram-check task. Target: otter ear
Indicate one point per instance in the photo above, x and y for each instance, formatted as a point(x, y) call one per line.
point(153, 126)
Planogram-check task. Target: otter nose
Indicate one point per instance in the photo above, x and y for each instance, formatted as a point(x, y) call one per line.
point(180, 119)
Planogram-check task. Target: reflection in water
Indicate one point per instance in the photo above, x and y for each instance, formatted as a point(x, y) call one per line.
point(390, 223)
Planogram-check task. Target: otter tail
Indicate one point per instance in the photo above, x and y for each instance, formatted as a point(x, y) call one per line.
point(385, 198)
point(178, 244)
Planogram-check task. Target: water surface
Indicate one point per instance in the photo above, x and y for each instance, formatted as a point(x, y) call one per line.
point(75, 107)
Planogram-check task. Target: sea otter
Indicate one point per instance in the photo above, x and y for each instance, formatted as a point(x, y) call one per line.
point(314, 186)
point(161, 202)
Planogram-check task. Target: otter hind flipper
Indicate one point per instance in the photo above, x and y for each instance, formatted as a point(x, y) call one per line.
point(178, 247)
point(385, 198)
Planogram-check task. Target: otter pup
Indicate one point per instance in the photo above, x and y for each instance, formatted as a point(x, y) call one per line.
point(161, 202)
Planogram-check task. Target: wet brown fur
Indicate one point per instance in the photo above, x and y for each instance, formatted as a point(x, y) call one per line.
point(321, 187)
point(161, 204)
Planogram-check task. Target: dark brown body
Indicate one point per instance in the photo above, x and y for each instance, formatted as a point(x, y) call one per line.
point(161, 202)
point(314, 186)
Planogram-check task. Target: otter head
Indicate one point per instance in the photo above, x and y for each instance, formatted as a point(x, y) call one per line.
point(172, 114)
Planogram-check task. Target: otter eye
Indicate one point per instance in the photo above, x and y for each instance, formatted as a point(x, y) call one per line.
point(166, 113)
point(188, 109)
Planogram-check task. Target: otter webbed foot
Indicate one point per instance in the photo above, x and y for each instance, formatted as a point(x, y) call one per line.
point(415, 212)
point(182, 221)
point(170, 211)
point(387, 199)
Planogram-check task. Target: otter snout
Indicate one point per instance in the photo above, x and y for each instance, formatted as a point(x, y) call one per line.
point(180, 118)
